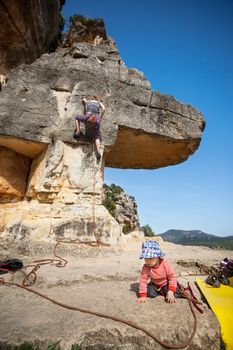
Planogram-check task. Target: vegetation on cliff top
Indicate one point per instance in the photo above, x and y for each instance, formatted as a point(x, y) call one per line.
point(122, 207)
point(148, 232)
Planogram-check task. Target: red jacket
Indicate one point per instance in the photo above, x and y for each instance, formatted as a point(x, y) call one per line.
point(160, 275)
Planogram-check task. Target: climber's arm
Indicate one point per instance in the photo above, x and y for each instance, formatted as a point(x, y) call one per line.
point(103, 109)
point(84, 101)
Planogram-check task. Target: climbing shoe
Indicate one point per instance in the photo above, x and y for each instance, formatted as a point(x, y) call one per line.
point(77, 135)
point(213, 281)
point(223, 279)
point(98, 155)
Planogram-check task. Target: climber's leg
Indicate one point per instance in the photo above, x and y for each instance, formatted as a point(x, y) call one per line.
point(78, 119)
point(97, 146)
point(77, 122)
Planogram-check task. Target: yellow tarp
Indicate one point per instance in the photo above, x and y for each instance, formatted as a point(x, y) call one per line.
point(221, 302)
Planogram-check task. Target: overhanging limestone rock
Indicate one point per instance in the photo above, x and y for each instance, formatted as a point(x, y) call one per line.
point(45, 96)
point(14, 168)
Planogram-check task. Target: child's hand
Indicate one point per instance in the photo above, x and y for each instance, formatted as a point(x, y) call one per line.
point(170, 297)
point(141, 300)
point(84, 100)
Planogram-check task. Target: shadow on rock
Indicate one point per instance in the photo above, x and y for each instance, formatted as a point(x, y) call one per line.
point(134, 287)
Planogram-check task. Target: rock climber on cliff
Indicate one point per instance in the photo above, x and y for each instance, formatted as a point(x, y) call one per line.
point(94, 111)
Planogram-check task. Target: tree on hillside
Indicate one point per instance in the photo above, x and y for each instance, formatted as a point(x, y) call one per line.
point(148, 232)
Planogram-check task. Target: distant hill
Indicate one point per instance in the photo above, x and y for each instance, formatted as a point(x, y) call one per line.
point(196, 237)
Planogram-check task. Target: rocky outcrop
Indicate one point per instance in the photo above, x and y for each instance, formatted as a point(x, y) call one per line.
point(83, 29)
point(13, 175)
point(122, 207)
point(141, 129)
point(28, 29)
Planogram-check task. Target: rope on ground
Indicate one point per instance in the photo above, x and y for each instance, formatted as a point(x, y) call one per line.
point(114, 318)
point(31, 277)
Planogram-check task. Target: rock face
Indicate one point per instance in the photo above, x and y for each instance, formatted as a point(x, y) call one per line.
point(14, 169)
point(59, 190)
point(28, 29)
point(141, 129)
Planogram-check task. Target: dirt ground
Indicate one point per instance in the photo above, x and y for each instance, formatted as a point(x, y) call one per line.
point(105, 280)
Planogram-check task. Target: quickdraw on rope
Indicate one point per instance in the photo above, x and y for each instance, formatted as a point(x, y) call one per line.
point(187, 293)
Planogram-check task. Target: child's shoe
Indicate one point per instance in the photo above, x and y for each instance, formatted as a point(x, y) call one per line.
point(213, 281)
point(223, 279)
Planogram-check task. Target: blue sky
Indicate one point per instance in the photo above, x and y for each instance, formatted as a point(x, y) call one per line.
point(185, 49)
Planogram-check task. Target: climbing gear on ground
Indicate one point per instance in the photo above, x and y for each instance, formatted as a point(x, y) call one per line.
point(10, 265)
point(187, 293)
point(216, 279)
point(223, 279)
point(92, 119)
point(228, 272)
point(227, 263)
point(213, 281)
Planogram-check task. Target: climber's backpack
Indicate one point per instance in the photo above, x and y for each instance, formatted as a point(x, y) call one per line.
point(10, 265)
point(92, 119)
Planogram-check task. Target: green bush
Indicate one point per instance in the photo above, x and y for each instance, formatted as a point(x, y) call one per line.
point(148, 232)
point(27, 346)
point(126, 228)
point(78, 18)
point(110, 205)
point(75, 347)
point(111, 193)
point(54, 346)
point(111, 197)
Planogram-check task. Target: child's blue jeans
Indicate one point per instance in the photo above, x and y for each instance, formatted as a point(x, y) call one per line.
point(152, 292)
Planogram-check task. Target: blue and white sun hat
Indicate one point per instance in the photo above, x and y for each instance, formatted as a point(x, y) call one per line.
point(151, 249)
